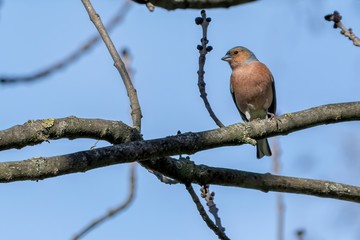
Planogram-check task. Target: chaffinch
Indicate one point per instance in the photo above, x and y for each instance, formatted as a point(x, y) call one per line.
point(253, 90)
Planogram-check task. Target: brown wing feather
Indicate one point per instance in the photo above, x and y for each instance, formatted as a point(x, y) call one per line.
point(241, 113)
point(272, 108)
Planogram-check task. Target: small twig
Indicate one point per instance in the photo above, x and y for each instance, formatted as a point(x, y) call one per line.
point(118, 63)
point(347, 32)
point(280, 199)
point(114, 211)
point(219, 232)
point(94, 145)
point(150, 6)
point(163, 178)
point(119, 16)
point(209, 198)
point(203, 50)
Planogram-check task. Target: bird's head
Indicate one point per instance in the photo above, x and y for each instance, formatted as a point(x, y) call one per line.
point(238, 56)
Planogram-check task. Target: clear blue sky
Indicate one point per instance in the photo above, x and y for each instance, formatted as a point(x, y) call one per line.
point(312, 65)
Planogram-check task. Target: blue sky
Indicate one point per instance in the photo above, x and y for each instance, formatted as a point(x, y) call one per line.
point(312, 65)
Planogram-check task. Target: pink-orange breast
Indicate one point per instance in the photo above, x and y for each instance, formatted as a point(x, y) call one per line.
point(252, 86)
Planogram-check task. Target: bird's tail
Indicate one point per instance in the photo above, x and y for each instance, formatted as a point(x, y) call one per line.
point(262, 148)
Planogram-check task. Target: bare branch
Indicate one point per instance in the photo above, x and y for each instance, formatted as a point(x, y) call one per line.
point(209, 198)
point(118, 63)
point(203, 50)
point(118, 17)
point(218, 231)
point(37, 131)
point(195, 4)
point(114, 211)
point(233, 135)
point(186, 171)
point(347, 32)
point(163, 178)
point(201, 174)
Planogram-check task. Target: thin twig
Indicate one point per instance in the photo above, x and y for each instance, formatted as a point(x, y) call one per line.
point(347, 32)
point(118, 17)
point(94, 145)
point(279, 196)
point(118, 63)
point(203, 50)
point(219, 232)
point(162, 178)
point(209, 198)
point(114, 211)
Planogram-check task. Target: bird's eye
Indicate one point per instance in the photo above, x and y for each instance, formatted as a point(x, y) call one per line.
point(236, 52)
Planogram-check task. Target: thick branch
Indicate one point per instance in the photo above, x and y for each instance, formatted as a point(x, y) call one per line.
point(39, 168)
point(37, 131)
point(187, 171)
point(195, 4)
point(190, 143)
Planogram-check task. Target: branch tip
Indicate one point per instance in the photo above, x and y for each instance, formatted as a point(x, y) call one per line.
point(203, 50)
point(336, 18)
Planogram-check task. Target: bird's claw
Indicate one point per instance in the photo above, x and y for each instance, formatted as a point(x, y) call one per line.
point(272, 115)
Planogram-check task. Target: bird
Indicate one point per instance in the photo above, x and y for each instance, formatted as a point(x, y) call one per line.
point(253, 90)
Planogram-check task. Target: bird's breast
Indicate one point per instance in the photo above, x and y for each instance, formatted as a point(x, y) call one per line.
point(252, 87)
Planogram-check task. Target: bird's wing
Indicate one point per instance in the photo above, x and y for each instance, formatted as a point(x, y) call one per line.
point(233, 97)
point(272, 108)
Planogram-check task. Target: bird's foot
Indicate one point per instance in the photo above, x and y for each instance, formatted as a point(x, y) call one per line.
point(272, 115)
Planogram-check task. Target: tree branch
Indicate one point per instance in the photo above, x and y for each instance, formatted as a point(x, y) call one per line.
point(237, 134)
point(188, 143)
point(119, 16)
point(209, 198)
point(118, 63)
point(217, 230)
point(37, 131)
point(336, 18)
point(203, 50)
point(195, 4)
point(185, 170)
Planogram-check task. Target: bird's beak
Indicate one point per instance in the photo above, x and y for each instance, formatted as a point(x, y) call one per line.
point(226, 58)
